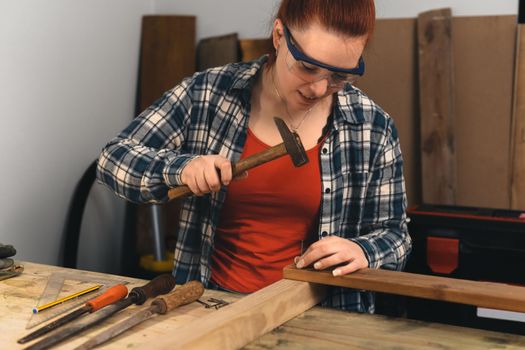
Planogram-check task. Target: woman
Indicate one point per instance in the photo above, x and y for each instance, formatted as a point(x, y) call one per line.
point(348, 203)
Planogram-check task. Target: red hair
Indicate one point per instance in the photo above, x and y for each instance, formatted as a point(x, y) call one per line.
point(347, 17)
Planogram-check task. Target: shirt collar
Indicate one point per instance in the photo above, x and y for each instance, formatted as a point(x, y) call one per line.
point(246, 77)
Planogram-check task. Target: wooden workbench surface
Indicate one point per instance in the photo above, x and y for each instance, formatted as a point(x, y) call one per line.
point(317, 328)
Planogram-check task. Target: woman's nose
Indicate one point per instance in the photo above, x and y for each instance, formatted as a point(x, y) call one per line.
point(319, 87)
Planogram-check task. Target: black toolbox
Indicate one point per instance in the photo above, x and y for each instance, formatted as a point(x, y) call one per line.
point(469, 243)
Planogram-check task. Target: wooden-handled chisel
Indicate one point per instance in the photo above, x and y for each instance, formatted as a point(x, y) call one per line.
point(182, 295)
point(110, 296)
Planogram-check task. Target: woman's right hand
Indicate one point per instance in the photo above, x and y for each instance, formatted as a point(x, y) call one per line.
point(206, 174)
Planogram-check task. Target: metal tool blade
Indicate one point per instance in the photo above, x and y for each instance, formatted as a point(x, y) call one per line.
point(119, 328)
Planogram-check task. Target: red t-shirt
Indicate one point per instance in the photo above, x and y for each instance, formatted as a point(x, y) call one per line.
point(264, 219)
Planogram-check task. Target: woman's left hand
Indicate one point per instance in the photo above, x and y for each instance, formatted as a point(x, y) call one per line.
point(332, 251)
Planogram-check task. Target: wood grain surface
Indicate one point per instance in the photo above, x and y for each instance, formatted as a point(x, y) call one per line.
point(518, 125)
point(20, 294)
point(326, 329)
point(317, 328)
point(483, 294)
point(436, 80)
point(167, 55)
point(248, 319)
point(252, 49)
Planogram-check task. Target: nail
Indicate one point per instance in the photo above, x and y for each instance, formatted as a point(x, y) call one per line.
point(336, 272)
point(317, 265)
point(296, 259)
point(300, 264)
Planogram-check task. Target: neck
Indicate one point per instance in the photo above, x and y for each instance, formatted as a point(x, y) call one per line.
point(294, 119)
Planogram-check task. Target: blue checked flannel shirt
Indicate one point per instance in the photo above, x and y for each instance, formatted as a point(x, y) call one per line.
point(363, 191)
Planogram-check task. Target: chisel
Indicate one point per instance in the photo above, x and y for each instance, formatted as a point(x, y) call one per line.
point(110, 296)
point(159, 285)
point(182, 295)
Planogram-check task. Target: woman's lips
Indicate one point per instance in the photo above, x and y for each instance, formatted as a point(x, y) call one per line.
point(307, 100)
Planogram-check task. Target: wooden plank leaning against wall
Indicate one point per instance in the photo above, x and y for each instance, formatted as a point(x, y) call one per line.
point(483, 54)
point(518, 118)
point(436, 105)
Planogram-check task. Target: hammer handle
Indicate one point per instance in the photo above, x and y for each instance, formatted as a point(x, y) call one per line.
point(238, 168)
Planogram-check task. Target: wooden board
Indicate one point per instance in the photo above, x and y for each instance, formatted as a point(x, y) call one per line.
point(20, 294)
point(482, 100)
point(518, 124)
point(252, 49)
point(317, 328)
point(247, 319)
point(436, 94)
point(483, 69)
point(484, 294)
point(167, 55)
point(217, 51)
point(333, 330)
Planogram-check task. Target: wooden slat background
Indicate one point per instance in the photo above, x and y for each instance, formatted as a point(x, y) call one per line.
point(518, 124)
point(483, 55)
point(436, 105)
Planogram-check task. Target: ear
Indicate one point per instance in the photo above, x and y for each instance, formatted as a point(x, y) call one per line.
point(277, 33)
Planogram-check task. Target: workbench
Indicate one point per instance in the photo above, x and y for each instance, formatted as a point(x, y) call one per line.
point(317, 328)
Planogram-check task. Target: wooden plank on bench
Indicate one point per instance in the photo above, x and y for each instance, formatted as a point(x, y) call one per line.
point(484, 294)
point(245, 320)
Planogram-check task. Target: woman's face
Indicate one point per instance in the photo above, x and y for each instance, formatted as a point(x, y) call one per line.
point(301, 80)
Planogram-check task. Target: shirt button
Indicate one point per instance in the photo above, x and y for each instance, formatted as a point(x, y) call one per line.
point(325, 150)
point(324, 234)
point(327, 190)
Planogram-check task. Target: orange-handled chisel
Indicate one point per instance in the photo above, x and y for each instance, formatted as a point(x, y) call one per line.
point(182, 295)
point(110, 296)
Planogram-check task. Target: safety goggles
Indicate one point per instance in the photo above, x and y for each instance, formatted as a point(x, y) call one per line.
point(307, 68)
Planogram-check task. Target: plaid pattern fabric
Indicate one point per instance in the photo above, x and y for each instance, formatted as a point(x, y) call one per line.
point(362, 177)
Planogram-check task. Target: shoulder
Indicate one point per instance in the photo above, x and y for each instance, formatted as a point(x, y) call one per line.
point(232, 76)
point(357, 108)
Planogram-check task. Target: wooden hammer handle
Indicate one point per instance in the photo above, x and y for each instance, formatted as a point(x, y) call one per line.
point(258, 159)
point(239, 167)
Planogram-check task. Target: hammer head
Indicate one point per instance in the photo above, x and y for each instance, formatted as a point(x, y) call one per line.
point(292, 143)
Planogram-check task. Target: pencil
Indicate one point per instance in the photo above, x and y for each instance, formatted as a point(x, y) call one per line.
point(66, 298)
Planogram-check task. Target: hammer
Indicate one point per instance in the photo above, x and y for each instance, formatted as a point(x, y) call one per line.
point(292, 145)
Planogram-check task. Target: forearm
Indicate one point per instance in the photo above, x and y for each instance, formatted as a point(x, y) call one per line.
point(138, 173)
point(146, 159)
point(386, 248)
